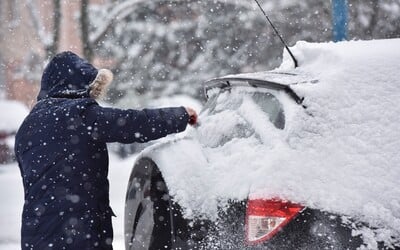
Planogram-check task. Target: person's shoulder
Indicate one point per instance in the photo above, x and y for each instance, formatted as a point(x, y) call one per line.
point(81, 102)
point(65, 104)
point(87, 101)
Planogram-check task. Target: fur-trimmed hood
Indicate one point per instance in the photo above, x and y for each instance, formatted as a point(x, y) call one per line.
point(69, 76)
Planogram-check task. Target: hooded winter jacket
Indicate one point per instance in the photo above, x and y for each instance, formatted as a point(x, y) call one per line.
point(62, 154)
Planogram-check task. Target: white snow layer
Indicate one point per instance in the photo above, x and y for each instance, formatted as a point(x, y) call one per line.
point(340, 155)
point(11, 116)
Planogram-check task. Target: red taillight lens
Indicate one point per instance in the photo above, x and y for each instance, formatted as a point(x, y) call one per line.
point(264, 218)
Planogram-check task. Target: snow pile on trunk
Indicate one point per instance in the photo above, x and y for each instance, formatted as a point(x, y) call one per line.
point(340, 155)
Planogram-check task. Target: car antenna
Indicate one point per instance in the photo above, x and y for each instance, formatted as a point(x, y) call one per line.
point(277, 33)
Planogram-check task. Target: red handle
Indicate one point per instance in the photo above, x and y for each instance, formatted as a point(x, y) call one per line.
point(192, 119)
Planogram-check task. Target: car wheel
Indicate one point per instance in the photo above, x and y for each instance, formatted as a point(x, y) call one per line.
point(147, 209)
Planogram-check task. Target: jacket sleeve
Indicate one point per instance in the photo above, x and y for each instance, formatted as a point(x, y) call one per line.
point(127, 126)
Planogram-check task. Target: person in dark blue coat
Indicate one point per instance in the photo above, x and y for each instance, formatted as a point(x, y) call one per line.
point(62, 154)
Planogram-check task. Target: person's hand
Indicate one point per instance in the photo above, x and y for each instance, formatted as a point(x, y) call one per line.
point(192, 116)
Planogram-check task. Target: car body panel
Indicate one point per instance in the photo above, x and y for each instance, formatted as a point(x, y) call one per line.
point(154, 221)
point(338, 155)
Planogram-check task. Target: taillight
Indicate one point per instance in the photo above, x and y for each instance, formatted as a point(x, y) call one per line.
point(265, 218)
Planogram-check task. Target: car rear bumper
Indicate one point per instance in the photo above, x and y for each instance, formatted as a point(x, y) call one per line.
point(311, 229)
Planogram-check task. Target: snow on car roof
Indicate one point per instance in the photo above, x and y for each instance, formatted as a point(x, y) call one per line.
point(339, 155)
point(12, 115)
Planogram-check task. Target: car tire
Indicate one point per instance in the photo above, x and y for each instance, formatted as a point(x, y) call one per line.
point(148, 216)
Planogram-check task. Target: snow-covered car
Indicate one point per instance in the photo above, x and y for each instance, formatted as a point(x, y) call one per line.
point(293, 158)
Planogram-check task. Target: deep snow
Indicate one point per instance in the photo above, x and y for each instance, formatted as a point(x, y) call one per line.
point(12, 114)
point(340, 155)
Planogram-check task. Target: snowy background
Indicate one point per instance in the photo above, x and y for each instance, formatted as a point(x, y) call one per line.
point(161, 51)
point(164, 47)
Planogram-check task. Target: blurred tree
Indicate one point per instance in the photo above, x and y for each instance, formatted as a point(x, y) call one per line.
point(94, 31)
point(48, 39)
point(164, 47)
point(374, 19)
point(84, 21)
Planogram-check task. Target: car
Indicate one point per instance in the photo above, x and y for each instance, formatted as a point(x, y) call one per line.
point(292, 158)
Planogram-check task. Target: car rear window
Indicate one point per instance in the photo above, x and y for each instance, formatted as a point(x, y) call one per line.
point(267, 102)
point(240, 112)
point(271, 106)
